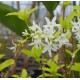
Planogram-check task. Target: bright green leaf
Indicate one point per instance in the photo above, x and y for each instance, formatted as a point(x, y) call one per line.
point(24, 73)
point(76, 67)
point(45, 74)
point(26, 52)
point(76, 51)
point(6, 64)
point(70, 17)
point(57, 34)
point(66, 3)
point(54, 67)
point(76, 8)
point(2, 55)
point(56, 58)
point(24, 15)
point(68, 51)
point(15, 76)
point(68, 35)
point(32, 10)
point(46, 69)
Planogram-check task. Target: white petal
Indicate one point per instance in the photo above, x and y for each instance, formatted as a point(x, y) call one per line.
point(54, 19)
point(47, 20)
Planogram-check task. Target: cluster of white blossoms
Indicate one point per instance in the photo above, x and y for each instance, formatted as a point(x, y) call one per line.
point(76, 29)
point(50, 36)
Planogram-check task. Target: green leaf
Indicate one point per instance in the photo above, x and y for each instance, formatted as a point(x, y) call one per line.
point(56, 58)
point(68, 51)
point(66, 3)
point(46, 69)
point(63, 22)
point(15, 76)
point(12, 22)
point(71, 16)
point(6, 64)
point(76, 51)
point(68, 35)
point(26, 52)
point(54, 67)
point(57, 34)
point(32, 10)
point(2, 55)
point(24, 73)
point(76, 8)
point(68, 26)
point(24, 15)
point(45, 74)
point(50, 5)
point(76, 67)
point(35, 53)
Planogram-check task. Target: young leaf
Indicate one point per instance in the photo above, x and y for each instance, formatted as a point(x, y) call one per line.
point(35, 53)
point(70, 17)
point(46, 69)
point(54, 67)
point(24, 73)
point(57, 34)
point(15, 76)
point(2, 55)
point(24, 15)
point(56, 58)
point(68, 26)
point(68, 51)
point(32, 10)
point(68, 35)
point(66, 3)
point(6, 64)
point(76, 67)
point(76, 8)
point(45, 74)
point(63, 22)
point(26, 52)
point(76, 51)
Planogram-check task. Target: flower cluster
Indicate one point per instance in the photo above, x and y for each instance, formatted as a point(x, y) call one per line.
point(50, 36)
point(76, 29)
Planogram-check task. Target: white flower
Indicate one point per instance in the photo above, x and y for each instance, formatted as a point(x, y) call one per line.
point(25, 33)
point(62, 40)
point(76, 29)
point(51, 23)
point(35, 27)
point(13, 48)
point(37, 42)
point(49, 47)
point(48, 34)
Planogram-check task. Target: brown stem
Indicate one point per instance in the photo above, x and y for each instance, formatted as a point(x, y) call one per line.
point(72, 49)
point(64, 45)
point(16, 56)
point(42, 65)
